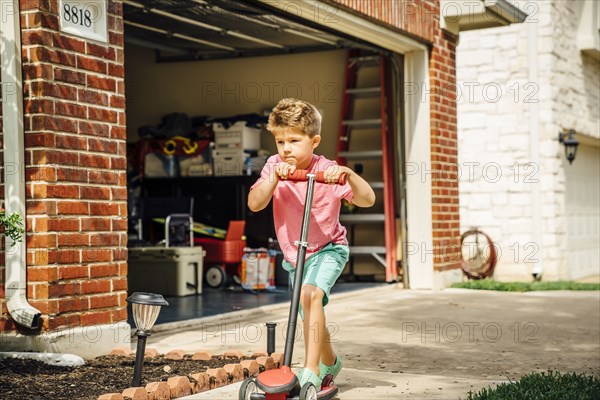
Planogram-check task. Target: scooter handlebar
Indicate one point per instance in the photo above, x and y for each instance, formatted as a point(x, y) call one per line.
point(300, 175)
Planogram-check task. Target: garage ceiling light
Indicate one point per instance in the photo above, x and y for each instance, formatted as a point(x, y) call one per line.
point(180, 36)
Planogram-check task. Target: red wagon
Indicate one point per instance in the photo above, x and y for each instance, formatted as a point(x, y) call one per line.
point(223, 257)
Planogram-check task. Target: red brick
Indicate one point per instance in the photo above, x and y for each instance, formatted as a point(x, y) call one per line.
point(202, 355)
point(92, 97)
point(68, 43)
point(235, 372)
point(265, 363)
point(135, 393)
point(179, 386)
point(121, 351)
point(94, 128)
point(37, 71)
point(277, 359)
point(95, 193)
point(102, 145)
point(233, 354)
point(175, 355)
point(94, 160)
point(73, 207)
point(251, 366)
point(90, 64)
point(43, 274)
point(101, 51)
point(217, 376)
point(118, 132)
point(104, 209)
point(71, 174)
point(42, 139)
point(98, 82)
point(96, 255)
point(44, 54)
point(63, 191)
point(158, 391)
point(95, 224)
point(95, 318)
point(39, 106)
point(69, 76)
point(200, 382)
point(63, 289)
point(102, 114)
point(71, 110)
point(95, 286)
point(104, 301)
point(73, 239)
point(72, 304)
point(150, 352)
point(63, 224)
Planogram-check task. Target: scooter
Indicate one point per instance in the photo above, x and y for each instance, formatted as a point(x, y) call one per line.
point(282, 383)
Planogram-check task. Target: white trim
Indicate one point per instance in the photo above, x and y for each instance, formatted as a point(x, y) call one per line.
point(419, 252)
point(465, 15)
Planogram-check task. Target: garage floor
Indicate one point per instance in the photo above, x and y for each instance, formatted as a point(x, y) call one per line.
point(219, 301)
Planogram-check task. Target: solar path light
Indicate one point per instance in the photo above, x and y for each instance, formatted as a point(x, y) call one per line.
point(146, 307)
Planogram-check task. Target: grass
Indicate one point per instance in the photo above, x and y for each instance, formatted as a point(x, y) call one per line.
point(488, 284)
point(543, 386)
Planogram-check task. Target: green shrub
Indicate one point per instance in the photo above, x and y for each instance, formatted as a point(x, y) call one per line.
point(542, 386)
point(489, 284)
point(13, 225)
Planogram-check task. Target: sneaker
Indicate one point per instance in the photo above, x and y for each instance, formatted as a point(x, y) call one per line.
point(306, 375)
point(332, 370)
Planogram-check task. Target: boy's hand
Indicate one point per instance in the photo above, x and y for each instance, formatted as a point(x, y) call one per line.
point(283, 169)
point(333, 172)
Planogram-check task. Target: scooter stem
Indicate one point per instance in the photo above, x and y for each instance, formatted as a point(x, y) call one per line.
point(302, 245)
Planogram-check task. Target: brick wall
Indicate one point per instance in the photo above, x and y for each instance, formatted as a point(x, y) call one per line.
point(75, 172)
point(420, 19)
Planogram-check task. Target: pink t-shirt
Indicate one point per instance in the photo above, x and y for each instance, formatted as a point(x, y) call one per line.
point(288, 210)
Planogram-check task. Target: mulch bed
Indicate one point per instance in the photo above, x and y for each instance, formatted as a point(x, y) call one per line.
point(30, 379)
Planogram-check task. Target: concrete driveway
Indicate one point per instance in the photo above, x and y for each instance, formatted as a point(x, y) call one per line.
point(420, 344)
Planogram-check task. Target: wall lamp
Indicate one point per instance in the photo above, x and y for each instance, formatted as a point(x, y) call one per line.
point(146, 307)
point(571, 144)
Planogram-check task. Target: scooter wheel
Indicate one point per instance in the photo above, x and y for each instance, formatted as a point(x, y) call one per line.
point(248, 387)
point(215, 276)
point(308, 392)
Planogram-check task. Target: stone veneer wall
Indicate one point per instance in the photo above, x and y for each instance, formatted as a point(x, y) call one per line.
point(496, 95)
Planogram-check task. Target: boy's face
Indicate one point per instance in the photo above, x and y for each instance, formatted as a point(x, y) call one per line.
point(294, 147)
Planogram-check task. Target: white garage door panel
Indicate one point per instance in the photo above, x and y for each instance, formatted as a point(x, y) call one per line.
point(583, 213)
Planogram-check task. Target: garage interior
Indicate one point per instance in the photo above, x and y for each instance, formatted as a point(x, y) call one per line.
point(189, 64)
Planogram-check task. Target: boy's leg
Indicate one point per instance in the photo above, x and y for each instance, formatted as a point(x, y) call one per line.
point(314, 326)
point(327, 353)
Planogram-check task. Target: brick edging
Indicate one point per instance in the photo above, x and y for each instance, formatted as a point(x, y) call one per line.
point(181, 386)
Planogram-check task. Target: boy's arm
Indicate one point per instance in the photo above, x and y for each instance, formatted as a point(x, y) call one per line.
point(260, 196)
point(364, 196)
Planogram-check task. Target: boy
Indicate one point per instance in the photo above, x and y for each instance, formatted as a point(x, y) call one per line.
point(296, 127)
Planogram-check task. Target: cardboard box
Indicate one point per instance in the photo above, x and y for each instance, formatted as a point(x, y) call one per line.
point(170, 271)
point(228, 162)
point(236, 136)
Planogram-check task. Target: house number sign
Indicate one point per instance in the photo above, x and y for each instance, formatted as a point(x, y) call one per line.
point(84, 18)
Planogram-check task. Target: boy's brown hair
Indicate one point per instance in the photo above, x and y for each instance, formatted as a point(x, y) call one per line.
point(294, 113)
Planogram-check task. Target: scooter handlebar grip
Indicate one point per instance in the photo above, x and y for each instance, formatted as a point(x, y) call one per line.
point(300, 175)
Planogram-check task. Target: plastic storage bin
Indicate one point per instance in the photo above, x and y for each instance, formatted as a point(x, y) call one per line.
point(170, 271)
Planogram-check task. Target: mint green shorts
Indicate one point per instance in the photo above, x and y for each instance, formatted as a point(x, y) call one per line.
point(321, 269)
